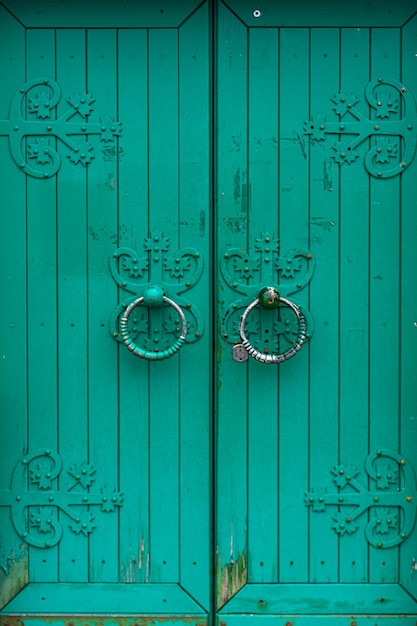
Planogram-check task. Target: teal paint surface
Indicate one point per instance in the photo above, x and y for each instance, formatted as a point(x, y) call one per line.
point(212, 155)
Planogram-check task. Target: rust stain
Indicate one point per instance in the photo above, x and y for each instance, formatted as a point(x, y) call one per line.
point(102, 620)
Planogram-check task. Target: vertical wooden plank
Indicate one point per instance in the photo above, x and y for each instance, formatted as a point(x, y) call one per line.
point(408, 303)
point(134, 373)
point(42, 299)
point(231, 226)
point(196, 402)
point(385, 220)
point(293, 376)
point(262, 391)
point(163, 210)
point(102, 297)
point(72, 301)
point(324, 301)
point(354, 288)
point(13, 313)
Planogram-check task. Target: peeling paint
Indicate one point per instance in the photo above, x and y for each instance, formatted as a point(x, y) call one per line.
point(231, 577)
point(135, 567)
point(236, 224)
point(324, 222)
point(13, 576)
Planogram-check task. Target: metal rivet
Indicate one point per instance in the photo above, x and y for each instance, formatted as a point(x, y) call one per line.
point(379, 103)
point(379, 544)
point(49, 128)
point(376, 127)
point(380, 80)
point(403, 89)
point(409, 498)
point(322, 127)
point(342, 126)
point(402, 164)
point(402, 462)
point(376, 499)
point(18, 498)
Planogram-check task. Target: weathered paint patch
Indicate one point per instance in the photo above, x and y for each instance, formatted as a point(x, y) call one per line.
point(14, 576)
point(231, 577)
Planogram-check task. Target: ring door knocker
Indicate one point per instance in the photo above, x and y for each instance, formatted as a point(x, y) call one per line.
point(153, 297)
point(269, 298)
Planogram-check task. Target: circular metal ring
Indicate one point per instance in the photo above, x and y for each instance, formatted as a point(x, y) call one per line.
point(283, 356)
point(149, 354)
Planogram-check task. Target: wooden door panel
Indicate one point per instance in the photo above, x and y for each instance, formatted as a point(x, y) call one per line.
point(111, 495)
point(297, 440)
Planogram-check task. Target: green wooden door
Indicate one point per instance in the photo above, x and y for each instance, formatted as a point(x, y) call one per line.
point(199, 152)
point(105, 193)
point(316, 488)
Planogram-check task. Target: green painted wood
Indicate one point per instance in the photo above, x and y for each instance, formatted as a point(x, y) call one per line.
point(384, 272)
point(354, 280)
point(196, 229)
point(116, 421)
point(41, 285)
point(382, 599)
point(355, 14)
point(104, 599)
point(79, 14)
point(324, 303)
point(144, 429)
point(262, 193)
point(326, 402)
point(293, 392)
point(13, 320)
point(133, 381)
point(103, 427)
point(407, 305)
point(231, 227)
point(72, 303)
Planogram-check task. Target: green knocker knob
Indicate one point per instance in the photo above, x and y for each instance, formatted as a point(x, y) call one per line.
point(269, 298)
point(153, 297)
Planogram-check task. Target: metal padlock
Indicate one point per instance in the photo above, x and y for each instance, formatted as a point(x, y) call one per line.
point(239, 353)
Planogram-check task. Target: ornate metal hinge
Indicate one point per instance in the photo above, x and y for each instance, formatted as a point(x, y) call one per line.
point(175, 274)
point(34, 512)
point(394, 490)
point(394, 128)
point(248, 274)
point(38, 155)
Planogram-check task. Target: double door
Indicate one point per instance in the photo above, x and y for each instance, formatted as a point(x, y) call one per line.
point(178, 444)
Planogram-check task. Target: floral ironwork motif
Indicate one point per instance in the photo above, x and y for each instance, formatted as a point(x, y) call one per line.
point(248, 274)
point(392, 499)
point(175, 274)
point(392, 129)
point(34, 512)
point(33, 130)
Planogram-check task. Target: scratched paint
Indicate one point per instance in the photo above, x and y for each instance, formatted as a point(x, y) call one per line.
point(231, 577)
point(135, 568)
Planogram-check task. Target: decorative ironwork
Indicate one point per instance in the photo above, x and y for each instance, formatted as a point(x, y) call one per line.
point(392, 499)
point(392, 131)
point(138, 275)
point(34, 512)
point(33, 131)
point(248, 274)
